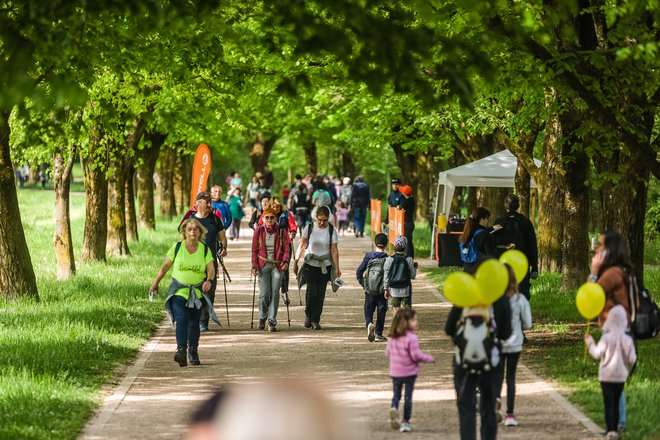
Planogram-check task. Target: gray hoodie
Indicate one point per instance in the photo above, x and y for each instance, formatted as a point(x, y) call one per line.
point(615, 350)
point(521, 319)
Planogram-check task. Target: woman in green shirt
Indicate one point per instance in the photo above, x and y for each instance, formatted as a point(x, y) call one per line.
point(192, 274)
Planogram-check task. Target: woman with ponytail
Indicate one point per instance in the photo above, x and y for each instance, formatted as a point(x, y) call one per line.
point(476, 228)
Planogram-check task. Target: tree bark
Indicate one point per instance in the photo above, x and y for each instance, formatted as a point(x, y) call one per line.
point(62, 239)
point(131, 221)
point(96, 190)
point(522, 182)
point(311, 158)
point(167, 203)
point(259, 151)
point(182, 176)
point(145, 178)
point(186, 183)
point(347, 165)
point(16, 272)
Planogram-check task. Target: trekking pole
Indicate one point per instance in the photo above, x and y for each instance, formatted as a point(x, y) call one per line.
point(254, 293)
point(286, 303)
point(224, 283)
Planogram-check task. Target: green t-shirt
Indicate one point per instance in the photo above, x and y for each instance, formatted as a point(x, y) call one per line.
point(189, 269)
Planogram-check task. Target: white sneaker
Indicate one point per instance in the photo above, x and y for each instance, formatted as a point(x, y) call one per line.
point(405, 427)
point(394, 418)
point(612, 435)
point(510, 420)
point(371, 332)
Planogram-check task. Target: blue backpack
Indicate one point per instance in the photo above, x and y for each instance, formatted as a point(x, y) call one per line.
point(469, 252)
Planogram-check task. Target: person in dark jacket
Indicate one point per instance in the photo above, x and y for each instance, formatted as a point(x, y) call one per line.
point(374, 302)
point(360, 203)
point(256, 214)
point(466, 383)
point(477, 226)
point(395, 196)
point(526, 241)
point(409, 205)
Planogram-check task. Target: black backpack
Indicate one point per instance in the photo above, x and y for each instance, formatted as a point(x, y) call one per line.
point(477, 348)
point(644, 313)
point(399, 275)
point(511, 232)
point(374, 275)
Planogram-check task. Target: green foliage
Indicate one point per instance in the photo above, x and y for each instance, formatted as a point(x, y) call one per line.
point(652, 226)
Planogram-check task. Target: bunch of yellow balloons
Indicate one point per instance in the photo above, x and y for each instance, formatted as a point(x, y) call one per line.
point(489, 282)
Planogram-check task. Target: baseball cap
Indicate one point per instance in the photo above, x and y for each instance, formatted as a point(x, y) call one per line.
point(203, 195)
point(396, 180)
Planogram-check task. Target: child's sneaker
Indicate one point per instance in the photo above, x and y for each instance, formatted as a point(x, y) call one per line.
point(394, 418)
point(405, 427)
point(510, 420)
point(371, 332)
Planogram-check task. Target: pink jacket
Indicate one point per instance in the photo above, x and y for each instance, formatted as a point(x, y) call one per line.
point(282, 252)
point(405, 355)
point(615, 350)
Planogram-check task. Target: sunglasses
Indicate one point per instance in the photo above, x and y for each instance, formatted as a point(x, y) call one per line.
point(269, 217)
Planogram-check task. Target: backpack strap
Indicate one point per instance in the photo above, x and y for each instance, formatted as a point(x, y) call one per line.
point(178, 247)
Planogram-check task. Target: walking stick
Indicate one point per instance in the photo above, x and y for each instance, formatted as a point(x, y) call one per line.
point(225, 277)
point(254, 293)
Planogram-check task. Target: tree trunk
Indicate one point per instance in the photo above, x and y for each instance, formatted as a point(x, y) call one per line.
point(16, 272)
point(347, 165)
point(145, 179)
point(522, 183)
point(259, 151)
point(493, 200)
point(131, 221)
point(311, 158)
point(181, 182)
point(96, 206)
point(167, 203)
point(117, 243)
point(62, 239)
point(186, 170)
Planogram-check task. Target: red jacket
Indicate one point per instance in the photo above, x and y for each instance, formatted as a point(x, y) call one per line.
point(282, 252)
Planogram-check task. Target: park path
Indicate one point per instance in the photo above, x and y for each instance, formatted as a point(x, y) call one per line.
point(155, 397)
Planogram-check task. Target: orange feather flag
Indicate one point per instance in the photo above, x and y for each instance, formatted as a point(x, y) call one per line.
point(200, 172)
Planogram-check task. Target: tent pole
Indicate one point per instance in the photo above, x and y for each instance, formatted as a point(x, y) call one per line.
point(435, 221)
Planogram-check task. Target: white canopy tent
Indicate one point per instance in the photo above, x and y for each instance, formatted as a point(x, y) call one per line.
point(496, 170)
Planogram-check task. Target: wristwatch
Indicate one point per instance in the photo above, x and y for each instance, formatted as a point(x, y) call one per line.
point(593, 277)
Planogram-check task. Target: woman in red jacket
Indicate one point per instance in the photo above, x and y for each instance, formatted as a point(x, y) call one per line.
point(271, 252)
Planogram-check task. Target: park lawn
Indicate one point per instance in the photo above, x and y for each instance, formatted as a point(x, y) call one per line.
point(556, 351)
point(60, 351)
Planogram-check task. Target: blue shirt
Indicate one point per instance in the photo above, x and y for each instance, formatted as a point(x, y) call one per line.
point(223, 207)
point(394, 199)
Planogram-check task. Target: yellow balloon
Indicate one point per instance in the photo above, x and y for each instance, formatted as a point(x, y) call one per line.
point(461, 289)
point(518, 262)
point(492, 279)
point(590, 300)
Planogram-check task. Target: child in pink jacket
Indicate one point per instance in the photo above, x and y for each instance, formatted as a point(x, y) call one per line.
point(616, 353)
point(405, 356)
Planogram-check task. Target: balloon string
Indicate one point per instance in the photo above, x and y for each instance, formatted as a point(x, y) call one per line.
point(584, 359)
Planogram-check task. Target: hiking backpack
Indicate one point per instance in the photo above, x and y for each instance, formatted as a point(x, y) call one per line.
point(469, 252)
point(323, 198)
point(399, 275)
point(644, 313)
point(476, 346)
point(510, 233)
point(374, 275)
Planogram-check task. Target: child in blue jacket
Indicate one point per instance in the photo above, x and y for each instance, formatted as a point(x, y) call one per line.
point(374, 300)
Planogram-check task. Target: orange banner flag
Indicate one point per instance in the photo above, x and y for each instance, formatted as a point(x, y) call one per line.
point(200, 172)
point(395, 217)
point(375, 216)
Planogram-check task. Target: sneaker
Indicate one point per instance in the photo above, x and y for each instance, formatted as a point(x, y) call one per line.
point(371, 332)
point(203, 328)
point(394, 418)
point(498, 412)
point(380, 338)
point(510, 420)
point(262, 324)
point(272, 327)
point(405, 427)
point(308, 323)
point(612, 435)
point(316, 326)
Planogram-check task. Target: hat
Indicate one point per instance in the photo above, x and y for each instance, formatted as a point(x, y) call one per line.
point(203, 195)
point(401, 242)
point(380, 239)
point(396, 180)
point(406, 190)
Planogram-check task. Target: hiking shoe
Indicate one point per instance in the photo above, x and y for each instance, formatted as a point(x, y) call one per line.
point(203, 328)
point(371, 332)
point(316, 326)
point(380, 338)
point(612, 435)
point(262, 324)
point(394, 418)
point(272, 327)
point(180, 357)
point(193, 357)
point(405, 427)
point(308, 323)
point(510, 420)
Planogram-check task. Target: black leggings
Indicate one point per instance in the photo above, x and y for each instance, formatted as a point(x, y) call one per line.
point(510, 363)
point(611, 395)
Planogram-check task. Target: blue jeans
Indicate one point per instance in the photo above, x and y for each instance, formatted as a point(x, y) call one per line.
point(187, 323)
point(398, 383)
point(358, 222)
point(270, 280)
point(375, 303)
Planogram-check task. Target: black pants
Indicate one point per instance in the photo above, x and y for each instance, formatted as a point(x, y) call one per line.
point(375, 303)
point(509, 363)
point(408, 228)
point(317, 281)
point(525, 286)
point(611, 395)
point(204, 320)
point(466, 384)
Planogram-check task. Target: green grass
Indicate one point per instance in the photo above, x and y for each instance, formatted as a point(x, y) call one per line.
point(556, 350)
point(60, 351)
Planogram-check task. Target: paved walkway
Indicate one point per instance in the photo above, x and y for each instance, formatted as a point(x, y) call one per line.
point(155, 397)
